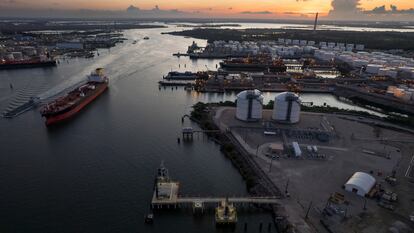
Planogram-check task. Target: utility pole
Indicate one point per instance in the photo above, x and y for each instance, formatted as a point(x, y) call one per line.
point(271, 162)
point(307, 212)
point(365, 203)
point(286, 187)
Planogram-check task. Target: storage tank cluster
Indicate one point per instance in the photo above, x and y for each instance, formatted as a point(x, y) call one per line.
point(340, 47)
point(275, 48)
point(22, 53)
point(286, 107)
point(375, 63)
point(249, 105)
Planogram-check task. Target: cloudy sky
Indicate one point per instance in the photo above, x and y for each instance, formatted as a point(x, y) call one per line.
point(335, 9)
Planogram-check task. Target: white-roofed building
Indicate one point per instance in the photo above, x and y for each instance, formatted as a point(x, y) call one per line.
point(360, 183)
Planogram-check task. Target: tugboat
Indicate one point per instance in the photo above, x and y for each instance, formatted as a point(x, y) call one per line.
point(226, 213)
point(149, 218)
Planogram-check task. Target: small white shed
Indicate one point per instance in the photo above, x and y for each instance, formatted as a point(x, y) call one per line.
point(360, 183)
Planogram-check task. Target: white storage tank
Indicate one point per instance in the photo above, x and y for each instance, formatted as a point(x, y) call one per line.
point(286, 108)
point(392, 73)
point(249, 105)
point(373, 68)
point(360, 47)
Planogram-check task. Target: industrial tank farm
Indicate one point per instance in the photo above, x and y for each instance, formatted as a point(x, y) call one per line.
point(249, 105)
point(286, 108)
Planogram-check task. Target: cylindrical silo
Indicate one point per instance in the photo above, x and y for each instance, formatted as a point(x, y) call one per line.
point(286, 108)
point(249, 105)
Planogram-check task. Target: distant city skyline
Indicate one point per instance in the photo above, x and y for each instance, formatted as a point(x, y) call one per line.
point(265, 9)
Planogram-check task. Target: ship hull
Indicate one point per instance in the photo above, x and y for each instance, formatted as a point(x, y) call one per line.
point(252, 67)
point(51, 120)
point(27, 65)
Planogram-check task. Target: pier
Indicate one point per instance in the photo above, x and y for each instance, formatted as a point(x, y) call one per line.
point(166, 196)
point(186, 201)
point(188, 132)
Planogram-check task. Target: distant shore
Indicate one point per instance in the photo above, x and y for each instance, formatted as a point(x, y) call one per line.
point(372, 40)
point(11, 28)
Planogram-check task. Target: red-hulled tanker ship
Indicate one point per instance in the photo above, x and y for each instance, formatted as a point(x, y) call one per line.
point(74, 101)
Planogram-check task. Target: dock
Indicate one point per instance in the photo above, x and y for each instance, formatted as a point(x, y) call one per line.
point(183, 201)
point(176, 83)
point(166, 196)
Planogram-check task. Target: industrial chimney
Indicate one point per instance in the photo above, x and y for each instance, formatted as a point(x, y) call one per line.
point(316, 22)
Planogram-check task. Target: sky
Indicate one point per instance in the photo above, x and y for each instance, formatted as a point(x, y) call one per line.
point(284, 9)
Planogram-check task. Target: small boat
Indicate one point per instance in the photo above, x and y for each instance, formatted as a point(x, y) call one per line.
point(149, 218)
point(226, 213)
point(146, 38)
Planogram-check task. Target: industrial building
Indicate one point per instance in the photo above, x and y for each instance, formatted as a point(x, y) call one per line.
point(276, 148)
point(374, 63)
point(249, 105)
point(360, 183)
point(286, 108)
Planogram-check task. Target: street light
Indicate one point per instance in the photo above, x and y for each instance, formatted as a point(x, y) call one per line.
point(271, 162)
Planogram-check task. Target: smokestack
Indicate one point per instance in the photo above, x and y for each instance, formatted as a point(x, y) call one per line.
point(316, 22)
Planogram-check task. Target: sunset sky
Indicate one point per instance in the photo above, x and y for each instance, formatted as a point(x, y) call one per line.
point(264, 8)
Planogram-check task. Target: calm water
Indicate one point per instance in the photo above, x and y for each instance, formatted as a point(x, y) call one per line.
point(95, 173)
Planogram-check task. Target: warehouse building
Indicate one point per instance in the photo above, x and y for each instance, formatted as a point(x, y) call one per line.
point(360, 183)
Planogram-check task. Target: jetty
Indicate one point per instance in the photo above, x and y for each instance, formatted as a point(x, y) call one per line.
point(166, 196)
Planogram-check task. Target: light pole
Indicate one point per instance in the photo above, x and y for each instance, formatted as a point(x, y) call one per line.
point(307, 212)
point(271, 162)
point(286, 187)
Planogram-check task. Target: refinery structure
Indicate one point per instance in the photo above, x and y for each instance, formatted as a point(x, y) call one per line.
point(354, 55)
point(314, 167)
